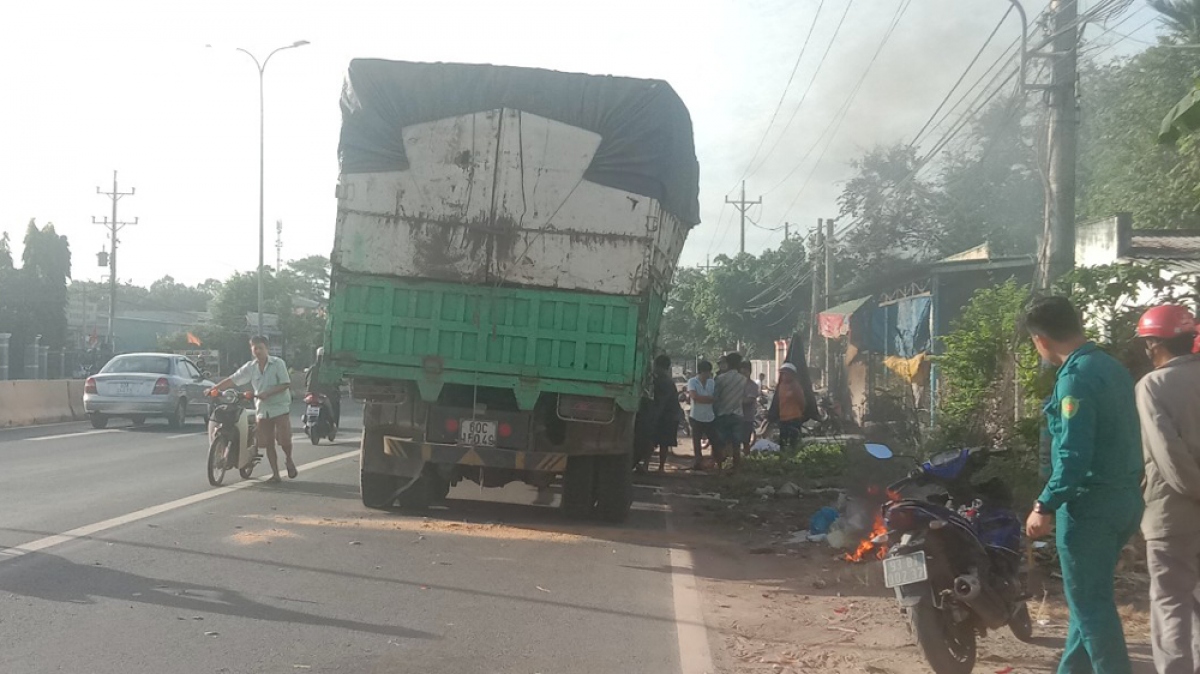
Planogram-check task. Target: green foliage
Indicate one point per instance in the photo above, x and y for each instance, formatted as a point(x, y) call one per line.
point(980, 343)
point(1181, 18)
point(747, 300)
point(33, 299)
point(1122, 168)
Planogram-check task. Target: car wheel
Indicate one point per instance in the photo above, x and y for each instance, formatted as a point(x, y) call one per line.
point(179, 417)
point(99, 421)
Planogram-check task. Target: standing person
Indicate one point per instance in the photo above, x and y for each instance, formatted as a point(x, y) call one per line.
point(749, 405)
point(702, 391)
point(660, 426)
point(731, 390)
point(791, 404)
point(272, 385)
point(1168, 399)
point(1094, 490)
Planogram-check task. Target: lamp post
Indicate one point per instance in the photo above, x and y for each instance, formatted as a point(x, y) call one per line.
point(262, 67)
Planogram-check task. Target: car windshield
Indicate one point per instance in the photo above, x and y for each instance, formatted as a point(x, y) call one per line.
point(129, 364)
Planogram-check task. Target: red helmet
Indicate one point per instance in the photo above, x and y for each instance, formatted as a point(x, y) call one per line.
point(1166, 321)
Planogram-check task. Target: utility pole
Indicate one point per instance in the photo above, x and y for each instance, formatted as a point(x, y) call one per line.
point(114, 225)
point(1064, 130)
point(278, 245)
point(742, 205)
point(787, 230)
point(1057, 254)
point(828, 246)
point(815, 279)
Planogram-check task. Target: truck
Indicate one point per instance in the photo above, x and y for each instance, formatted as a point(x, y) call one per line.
point(504, 245)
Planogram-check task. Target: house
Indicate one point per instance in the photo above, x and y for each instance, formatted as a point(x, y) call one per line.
point(885, 331)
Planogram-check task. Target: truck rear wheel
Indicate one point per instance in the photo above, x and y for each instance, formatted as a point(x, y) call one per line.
point(579, 487)
point(614, 487)
point(377, 490)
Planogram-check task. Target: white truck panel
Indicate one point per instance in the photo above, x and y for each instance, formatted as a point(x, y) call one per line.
point(500, 197)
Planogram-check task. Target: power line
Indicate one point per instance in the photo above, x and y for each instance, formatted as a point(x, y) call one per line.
point(807, 89)
point(963, 76)
point(840, 115)
point(783, 95)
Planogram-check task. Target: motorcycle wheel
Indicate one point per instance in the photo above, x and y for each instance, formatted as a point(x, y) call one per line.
point(948, 648)
point(313, 436)
point(246, 472)
point(217, 451)
point(1021, 624)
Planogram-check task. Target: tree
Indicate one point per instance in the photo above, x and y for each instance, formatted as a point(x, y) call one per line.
point(1122, 168)
point(312, 276)
point(6, 258)
point(166, 292)
point(991, 190)
point(46, 263)
point(892, 212)
point(1181, 18)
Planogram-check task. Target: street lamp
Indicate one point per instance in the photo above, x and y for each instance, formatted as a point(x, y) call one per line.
point(262, 67)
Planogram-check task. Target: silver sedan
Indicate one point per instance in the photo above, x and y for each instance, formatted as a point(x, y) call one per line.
point(141, 385)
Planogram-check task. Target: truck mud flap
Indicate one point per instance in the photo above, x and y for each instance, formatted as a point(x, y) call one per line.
point(487, 457)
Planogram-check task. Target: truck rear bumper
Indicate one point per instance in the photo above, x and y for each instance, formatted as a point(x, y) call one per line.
point(408, 452)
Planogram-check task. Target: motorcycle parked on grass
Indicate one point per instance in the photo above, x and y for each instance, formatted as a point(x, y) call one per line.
point(955, 558)
point(231, 433)
point(318, 418)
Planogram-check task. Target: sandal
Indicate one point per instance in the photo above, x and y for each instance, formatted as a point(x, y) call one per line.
point(274, 479)
point(291, 469)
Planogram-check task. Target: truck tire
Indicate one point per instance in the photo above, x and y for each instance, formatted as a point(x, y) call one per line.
point(614, 487)
point(579, 487)
point(377, 490)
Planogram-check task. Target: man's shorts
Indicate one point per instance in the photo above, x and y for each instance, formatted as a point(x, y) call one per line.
point(268, 430)
point(728, 429)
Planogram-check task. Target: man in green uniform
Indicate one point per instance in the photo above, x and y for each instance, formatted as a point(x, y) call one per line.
point(1094, 492)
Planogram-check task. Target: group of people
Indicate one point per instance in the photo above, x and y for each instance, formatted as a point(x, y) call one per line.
point(723, 410)
point(1123, 455)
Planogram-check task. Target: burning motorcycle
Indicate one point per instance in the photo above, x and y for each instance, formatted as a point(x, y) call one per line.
point(954, 558)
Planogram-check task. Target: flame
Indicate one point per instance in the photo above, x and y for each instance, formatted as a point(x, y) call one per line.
point(866, 546)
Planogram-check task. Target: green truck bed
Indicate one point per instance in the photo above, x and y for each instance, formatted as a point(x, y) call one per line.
point(528, 340)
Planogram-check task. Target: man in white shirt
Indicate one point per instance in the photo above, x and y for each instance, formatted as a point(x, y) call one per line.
point(268, 377)
point(702, 390)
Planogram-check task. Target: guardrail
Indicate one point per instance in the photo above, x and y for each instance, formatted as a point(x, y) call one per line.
point(24, 402)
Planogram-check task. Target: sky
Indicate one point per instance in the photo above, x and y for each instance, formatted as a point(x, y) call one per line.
point(131, 86)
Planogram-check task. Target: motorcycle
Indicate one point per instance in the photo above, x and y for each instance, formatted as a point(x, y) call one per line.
point(955, 558)
point(231, 433)
point(318, 418)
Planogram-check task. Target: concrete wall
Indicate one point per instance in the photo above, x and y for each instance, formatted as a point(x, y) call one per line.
point(1102, 242)
point(24, 401)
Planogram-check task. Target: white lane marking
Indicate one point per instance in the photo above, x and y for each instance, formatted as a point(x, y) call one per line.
point(98, 527)
point(193, 434)
point(695, 655)
point(62, 436)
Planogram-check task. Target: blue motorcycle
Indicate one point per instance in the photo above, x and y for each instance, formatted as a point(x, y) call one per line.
point(955, 557)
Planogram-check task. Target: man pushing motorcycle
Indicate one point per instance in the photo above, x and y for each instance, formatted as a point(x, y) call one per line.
point(272, 385)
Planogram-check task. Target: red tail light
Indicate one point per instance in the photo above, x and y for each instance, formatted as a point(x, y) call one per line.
point(310, 399)
point(162, 387)
point(90, 385)
point(452, 425)
point(504, 430)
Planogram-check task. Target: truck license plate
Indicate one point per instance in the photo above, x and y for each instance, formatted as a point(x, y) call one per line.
point(905, 569)
point(474, 432)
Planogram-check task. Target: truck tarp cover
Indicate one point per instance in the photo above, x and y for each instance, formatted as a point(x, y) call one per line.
point(646, 142)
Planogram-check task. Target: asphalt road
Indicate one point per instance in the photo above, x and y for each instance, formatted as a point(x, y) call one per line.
point(117, 557)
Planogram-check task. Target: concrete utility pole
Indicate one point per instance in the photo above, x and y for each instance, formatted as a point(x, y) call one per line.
point(278, 245)
point(1063, 136)
point(742, 205)
point(828, 247)
point(1057, 254)
point(114, 225)
point(815, 279)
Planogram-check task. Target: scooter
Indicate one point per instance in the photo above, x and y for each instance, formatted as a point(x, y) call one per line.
point(955, 558)
point(231, 437)
point(318, 418)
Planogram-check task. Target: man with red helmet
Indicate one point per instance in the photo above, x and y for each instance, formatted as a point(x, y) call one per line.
point(1168, 401)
